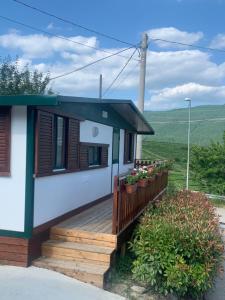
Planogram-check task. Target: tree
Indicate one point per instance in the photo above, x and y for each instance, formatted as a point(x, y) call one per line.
point(19, 81)
point(208, 164)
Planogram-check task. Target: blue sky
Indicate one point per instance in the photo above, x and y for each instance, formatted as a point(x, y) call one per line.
point(173, 72)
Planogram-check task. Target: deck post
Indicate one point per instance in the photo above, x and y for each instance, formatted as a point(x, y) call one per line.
point(115, 206)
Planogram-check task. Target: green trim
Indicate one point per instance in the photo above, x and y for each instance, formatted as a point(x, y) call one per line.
point(10, 233)
point(29, 100)
point(29, 192)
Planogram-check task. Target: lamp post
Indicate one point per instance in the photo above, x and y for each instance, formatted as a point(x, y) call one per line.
point(189, 131)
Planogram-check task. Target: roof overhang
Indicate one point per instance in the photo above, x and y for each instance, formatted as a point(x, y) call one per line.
point(29, 100)
point(125, 108)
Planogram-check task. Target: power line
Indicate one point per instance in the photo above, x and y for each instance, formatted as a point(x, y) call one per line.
point(125, 77)
point(120, 72)
point(73, 23)
point(189, 45)
point(55, 35)
point(90, 64)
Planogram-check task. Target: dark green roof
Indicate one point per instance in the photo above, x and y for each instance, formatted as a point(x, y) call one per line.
point(29, 100)
point(121, 113)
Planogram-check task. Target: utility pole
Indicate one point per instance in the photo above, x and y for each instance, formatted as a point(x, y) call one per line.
point(189, 132)
point(141, 96)
point(100, 86)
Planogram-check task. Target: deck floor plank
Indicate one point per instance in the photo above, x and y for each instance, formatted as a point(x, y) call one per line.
point(95, 219)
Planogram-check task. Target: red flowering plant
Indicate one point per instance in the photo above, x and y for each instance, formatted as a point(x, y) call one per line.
point(178, 246)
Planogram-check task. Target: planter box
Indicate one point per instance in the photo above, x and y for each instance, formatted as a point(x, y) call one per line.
point(142, 183)
point(131, 188)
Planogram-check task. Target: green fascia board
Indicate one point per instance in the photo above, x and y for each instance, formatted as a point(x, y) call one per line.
point(29, 100)
point(93, 112)
point(70, 99)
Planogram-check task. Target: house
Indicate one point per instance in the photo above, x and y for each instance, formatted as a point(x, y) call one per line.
point(58, 157)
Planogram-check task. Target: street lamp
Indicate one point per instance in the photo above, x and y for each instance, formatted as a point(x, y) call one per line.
point(189, 131)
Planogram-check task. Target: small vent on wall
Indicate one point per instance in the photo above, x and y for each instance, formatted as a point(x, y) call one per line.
point(104, 114)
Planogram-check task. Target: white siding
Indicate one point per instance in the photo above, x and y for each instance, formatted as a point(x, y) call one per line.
point(12, 200)
point(56, 195)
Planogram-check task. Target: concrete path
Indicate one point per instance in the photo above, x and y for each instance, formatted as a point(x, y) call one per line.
point(221, 212)
point(218, 291)
point(35, 284)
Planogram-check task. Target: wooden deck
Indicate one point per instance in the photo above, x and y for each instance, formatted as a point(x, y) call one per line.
point(95, 219)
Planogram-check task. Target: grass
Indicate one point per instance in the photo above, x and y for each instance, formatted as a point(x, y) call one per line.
point(173, 151)
point(171, 126)
point(218, 203)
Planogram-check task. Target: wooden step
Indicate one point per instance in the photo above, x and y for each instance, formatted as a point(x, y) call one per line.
point(77, 251)
point(93, 274)
point(83, 240)
point(95, 238)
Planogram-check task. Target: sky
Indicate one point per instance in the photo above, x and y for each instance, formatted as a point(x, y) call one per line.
point(173, 72)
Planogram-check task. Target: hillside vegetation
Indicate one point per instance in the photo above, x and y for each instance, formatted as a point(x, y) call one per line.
point(170, 139)
point(171, 126)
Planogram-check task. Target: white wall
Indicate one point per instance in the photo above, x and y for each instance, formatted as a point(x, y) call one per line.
point(12, 200)
point(58, 194)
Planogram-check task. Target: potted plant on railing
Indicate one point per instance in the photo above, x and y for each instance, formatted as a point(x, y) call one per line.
point(143, 177)
point(131, 184)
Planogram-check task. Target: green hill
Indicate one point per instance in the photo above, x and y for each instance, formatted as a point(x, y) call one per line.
point(170, 139)
point(208, 123)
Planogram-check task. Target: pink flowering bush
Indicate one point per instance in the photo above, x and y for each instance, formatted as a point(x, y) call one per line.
point(178, 247)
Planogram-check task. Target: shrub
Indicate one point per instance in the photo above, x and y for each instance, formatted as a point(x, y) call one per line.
point(178, 246)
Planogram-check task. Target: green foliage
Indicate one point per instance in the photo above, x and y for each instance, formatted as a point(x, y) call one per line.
point(208, 164)
point(178, 154)
point(171, 127)
point(177, 245)
point(131, 179)
point(17, 81)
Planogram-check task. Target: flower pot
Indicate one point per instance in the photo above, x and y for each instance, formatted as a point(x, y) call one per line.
point(131, 188)
point(142, 183)
point(151, 179)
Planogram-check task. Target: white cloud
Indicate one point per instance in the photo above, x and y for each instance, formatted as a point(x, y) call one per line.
point(171, 75)
point(41, 46)
point(218, 41)
point(174, 34)
point(170, 98)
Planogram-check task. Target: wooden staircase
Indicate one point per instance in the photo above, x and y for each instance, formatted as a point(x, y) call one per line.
point(84, 255)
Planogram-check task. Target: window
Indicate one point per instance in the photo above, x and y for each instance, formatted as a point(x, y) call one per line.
point(94, 156)
point(59, 143)
point(116, 145)
point(128, 147)
point(5, 137)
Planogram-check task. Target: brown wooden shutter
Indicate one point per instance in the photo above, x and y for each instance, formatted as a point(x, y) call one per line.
point(5, 138)
point(104, 156)
point(83, 156)
point(73, 144)
point(44, 143)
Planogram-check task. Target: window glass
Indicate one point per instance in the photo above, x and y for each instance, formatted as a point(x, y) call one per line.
point(130, 146)
point(59, 143)
point(94, 156)
point(116, 145)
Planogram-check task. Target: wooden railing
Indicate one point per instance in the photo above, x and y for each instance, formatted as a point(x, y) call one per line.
point(128, 207)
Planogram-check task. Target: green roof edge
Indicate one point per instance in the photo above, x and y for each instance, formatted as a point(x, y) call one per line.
point(29, 100)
